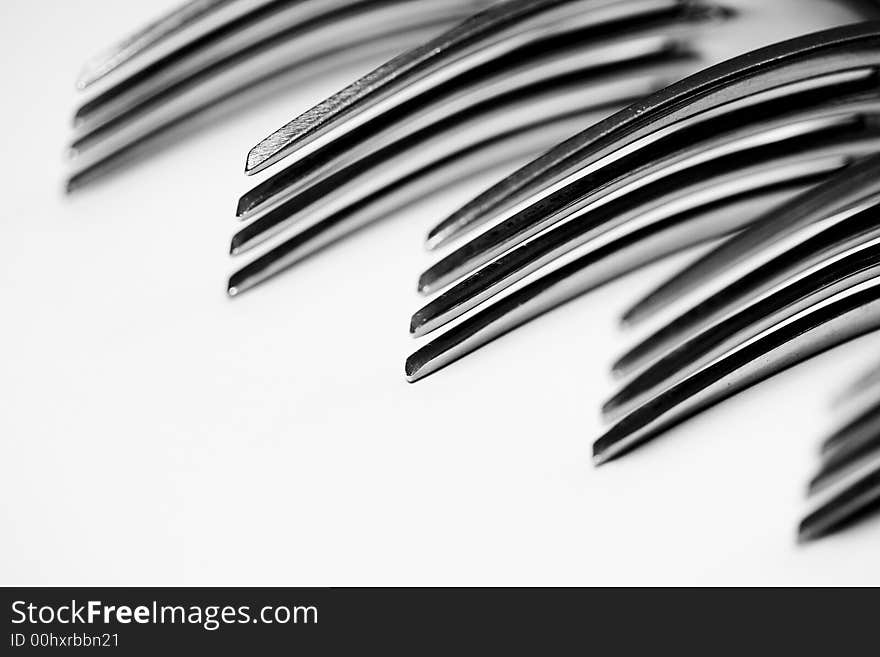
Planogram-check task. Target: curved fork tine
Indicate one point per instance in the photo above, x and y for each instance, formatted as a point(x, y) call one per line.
point(554, 108)
point(500, 29)
point(281, 30)
point(763, 255)
point(854, 502)
point(686, 218)
point(767, 82)
point(809, 129)
point(412, 149)
point(843, 317)
point(799, 292)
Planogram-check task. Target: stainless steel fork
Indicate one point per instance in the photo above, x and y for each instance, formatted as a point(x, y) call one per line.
point(212, 56)
point(693, 162)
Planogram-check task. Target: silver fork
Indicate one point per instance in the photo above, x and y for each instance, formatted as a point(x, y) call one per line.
point(696, 161)
point(211, 56)
point(801, 280)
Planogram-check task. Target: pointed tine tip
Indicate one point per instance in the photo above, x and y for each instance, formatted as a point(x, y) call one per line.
point(634, 316)
point(411, 369)
point(831, 443)
point(84, 79)
point(256, 159)
point(241, 208)
point(601, 453)
point(621, 367)
point(435, 240)
point(443, 233)
point(89, 74)
point(806, 534)
point(610, 407)
point(238, 283)
point(815, 486)
point(250, 164)
point(415, 324)
point(425, 287)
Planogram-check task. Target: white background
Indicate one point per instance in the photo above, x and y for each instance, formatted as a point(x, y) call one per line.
point(156, 432)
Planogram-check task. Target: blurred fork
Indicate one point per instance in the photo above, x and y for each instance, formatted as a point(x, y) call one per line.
point(209, 55)
point(656, 178)
point(847, 487)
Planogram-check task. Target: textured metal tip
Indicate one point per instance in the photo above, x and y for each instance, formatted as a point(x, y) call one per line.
point(258, 158)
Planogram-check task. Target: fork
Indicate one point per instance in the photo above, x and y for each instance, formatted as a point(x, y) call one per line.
point(694, 162)
point(211, 56)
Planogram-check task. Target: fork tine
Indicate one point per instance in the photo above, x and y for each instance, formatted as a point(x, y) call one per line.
point(845, 316)
point(608, 209)
point(762, 81)
point(501, 28)
point(759, 258)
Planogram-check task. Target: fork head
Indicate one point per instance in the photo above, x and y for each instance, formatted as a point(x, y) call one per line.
point(210, 57)
point(501, 79)
point(643, 183)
